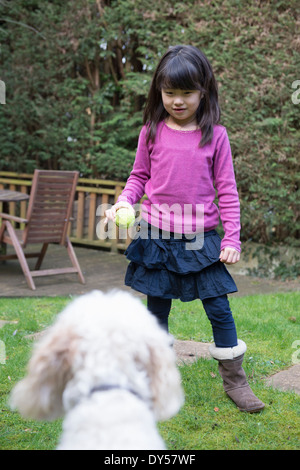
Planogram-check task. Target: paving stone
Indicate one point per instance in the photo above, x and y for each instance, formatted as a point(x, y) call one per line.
point(286, 380)
point(189, 351)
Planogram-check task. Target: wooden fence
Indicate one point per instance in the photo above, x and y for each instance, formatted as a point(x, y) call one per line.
point(92, 196)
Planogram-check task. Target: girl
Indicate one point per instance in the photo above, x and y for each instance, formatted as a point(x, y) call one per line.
point(183, 156)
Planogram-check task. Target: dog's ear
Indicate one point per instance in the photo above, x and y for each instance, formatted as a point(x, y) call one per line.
point(165, 380)
point(39, 394)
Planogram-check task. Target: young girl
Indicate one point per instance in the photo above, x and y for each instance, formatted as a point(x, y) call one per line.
point(183, 157)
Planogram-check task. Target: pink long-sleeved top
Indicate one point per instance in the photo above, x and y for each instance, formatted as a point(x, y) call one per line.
point(180, 180)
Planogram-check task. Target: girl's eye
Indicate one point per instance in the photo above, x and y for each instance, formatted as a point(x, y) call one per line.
point(171, 93)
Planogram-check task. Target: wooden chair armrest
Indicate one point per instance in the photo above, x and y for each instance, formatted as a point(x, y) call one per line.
point(3, 215)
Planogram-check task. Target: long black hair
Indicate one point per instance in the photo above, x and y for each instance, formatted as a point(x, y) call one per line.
point(185, 68)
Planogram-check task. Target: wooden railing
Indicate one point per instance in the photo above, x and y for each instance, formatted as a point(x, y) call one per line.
point(91, 197)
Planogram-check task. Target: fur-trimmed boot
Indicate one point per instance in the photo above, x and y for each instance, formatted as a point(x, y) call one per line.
point(234, 378)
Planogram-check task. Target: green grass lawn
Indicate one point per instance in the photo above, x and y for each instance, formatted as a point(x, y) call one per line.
point(269, 324)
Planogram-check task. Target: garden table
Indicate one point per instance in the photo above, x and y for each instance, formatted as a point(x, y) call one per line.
point(6, 196)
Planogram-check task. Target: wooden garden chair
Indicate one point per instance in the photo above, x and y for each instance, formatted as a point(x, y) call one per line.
point(47, 219)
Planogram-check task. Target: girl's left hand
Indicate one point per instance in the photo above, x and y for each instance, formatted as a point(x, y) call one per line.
point(229, 255)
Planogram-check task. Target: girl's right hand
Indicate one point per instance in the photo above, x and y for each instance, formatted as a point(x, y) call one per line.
point(111, 213)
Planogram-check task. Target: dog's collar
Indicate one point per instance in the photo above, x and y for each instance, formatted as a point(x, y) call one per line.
point(105, 388)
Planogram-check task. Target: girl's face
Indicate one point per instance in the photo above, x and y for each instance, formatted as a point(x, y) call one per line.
point(181, 105)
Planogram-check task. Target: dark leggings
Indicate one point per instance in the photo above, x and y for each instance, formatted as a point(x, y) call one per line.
point(217, 310)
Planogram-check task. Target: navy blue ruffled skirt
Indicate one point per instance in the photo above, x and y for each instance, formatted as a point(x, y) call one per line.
point(165, 268)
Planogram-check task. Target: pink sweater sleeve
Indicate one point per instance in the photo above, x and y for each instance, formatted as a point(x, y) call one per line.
point(140, 174)
point(228, 199)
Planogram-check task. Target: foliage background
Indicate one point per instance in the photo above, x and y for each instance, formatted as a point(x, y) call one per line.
point(77, 73)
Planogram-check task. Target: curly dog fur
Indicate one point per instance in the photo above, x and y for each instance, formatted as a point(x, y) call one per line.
point(108, 368)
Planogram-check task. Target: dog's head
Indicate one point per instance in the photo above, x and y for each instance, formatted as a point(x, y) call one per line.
point(100, 339)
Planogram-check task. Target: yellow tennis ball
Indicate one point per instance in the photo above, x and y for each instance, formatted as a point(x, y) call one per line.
point(125, 218)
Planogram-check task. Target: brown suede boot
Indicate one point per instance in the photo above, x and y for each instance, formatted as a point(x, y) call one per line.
point(234, 378)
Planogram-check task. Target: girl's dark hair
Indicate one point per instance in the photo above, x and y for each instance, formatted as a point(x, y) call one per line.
point(186, 68)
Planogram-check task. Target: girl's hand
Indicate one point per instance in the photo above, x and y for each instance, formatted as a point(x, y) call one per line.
point(111, 213)
point(229, 255)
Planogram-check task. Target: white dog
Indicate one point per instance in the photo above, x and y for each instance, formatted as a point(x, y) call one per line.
point(108, 367)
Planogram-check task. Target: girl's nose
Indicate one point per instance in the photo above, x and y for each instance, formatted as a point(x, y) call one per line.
point(178, 100)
